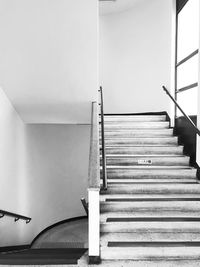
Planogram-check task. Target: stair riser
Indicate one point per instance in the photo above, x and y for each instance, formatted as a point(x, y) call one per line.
point(138, 133)
point(183, 206)
point(133, 125)
point(167, 189)
point(134, 118)
point(130, 216)
point(148, 174)
point(144, 181)
point(155, 191)
point(105, 196)
point(153, 161)
point(141, 141)
point(176, 150)
point(151, 227)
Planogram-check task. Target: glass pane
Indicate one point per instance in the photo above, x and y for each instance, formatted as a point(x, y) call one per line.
point(188, 29)
point(188, 101)
point(187, 73)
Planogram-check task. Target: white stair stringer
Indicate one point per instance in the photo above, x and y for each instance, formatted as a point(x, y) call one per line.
point(150, 212)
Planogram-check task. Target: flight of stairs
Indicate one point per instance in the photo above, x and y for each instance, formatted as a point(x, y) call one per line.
point(151, 209)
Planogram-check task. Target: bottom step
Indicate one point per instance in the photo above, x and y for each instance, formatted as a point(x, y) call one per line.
point(168, 263)
point(151, 253)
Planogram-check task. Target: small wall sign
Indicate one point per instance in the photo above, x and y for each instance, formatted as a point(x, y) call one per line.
point(144, 162)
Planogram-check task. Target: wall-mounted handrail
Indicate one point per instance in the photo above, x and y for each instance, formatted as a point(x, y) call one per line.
point(181, 110)
point(14, 215)
point(104, 172)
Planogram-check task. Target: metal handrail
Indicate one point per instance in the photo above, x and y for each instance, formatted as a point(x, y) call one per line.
point(104, 171)
point(185, 115)
point(14, 215)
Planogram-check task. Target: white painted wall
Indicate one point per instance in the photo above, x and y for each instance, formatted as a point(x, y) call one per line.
point(56, 174)
point(12, 171)
point(49, 71)
point(44, 173)
point(135, 57)
point(49, 58)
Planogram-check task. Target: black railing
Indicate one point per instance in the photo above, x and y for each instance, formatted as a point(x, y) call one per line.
point(85, 205)
point(15, 216)
point(181, 110)
point(104, 172)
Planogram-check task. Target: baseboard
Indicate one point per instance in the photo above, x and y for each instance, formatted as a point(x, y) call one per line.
point(14, 248)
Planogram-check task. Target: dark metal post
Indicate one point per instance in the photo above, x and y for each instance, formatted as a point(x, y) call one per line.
point(85, 205)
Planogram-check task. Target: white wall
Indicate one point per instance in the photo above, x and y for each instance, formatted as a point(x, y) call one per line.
point(49, 55)
point(12, 172)
point(135, 57)
point(44, 173)
point(56, 174)
point(49, 71)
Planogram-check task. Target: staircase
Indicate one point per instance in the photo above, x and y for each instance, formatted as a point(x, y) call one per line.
point(150, 211)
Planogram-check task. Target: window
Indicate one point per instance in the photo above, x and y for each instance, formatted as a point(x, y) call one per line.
point(187, 57)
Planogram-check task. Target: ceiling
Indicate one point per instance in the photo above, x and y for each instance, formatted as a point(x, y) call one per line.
point(109, 7)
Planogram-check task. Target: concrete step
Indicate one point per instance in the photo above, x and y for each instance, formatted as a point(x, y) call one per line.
point(147, 160)
point(141, 140)
point(148, 237)
point(138, 150)
point(152, 180)
point(153, 216)
point(138, 132)
point(149, 263)
point(155, 206)
point(150, 173)
point(142, 197)
point(153, 189)
point(164, 252)
point(113, 118)
point(150, 227)
point(137, 125)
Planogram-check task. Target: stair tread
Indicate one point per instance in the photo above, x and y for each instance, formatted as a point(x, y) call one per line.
point(149, 167)
point(146, 237)
point(151, 263)
point(144, 196)
point(144, 156)
point(162, 252)
point(143, 145)
point(150, 181)
point(158, 226)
